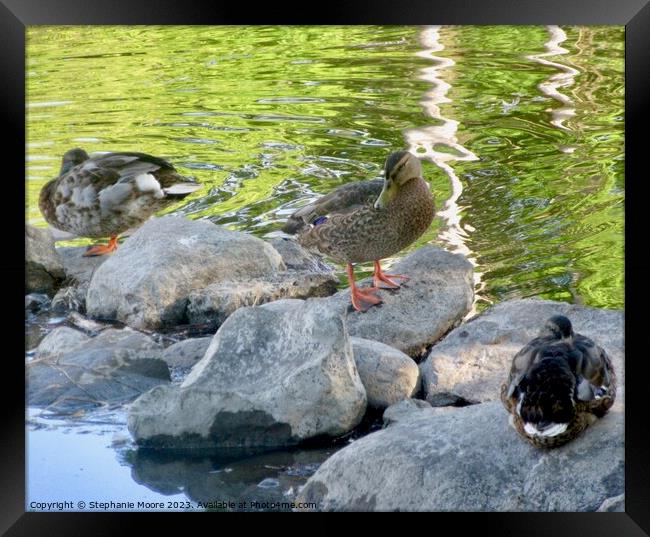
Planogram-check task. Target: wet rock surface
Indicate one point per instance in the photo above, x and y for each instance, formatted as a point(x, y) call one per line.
point(72, 370)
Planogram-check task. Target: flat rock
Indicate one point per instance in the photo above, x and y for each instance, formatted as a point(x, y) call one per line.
point(273, 375)
point(387, 374)
point(472, 361)
point(78, 268)
point(43, 267)
point(438, 295)
point(185, 354)
point(471, 459)
point(212, 306)
point(72, 370)
point(146, 282)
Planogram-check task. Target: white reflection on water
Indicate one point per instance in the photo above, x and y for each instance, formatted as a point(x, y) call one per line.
point(427, 142)
point(562, 79)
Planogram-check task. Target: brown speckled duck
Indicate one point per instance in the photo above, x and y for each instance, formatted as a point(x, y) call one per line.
point(104, 195)
point(559, 383)
point(368, 221)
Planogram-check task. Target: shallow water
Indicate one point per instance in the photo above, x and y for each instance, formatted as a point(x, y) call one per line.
point(520, 130)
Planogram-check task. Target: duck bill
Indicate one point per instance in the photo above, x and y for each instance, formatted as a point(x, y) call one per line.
point(383, 199)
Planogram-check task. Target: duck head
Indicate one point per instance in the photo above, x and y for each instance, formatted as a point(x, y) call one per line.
point(71, 159)
point(557, 327)
point(400, 168)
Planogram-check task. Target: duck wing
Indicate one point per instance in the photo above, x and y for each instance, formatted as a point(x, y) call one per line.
point(522, 362)
point(596, 377)
point(344, 199)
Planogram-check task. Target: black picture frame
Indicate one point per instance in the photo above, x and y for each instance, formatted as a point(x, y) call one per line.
point(15, 15)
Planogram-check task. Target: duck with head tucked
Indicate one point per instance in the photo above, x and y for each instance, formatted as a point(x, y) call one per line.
point(368, 221)
point(107, 194)
point(559, 383)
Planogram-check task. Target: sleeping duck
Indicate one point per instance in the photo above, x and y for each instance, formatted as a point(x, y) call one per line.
point(559, 383)
point(368, 221)
point(104, 195)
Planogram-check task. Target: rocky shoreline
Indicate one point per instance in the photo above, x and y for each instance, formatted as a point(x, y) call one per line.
point(284, 360)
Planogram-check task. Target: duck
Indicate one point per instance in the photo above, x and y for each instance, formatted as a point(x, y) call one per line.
point(369, 220)
point(107, 194)
point(559, 384)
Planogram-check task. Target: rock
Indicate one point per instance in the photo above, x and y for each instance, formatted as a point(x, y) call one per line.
point(296, 257)
point(212, 306)
point(37, 301)
point(146, 282)
point(472, 361)
point(405, 409)
point(470, 459)
point(387, 374)
point(273, 375)
point(78, 268)
point(438, 295)
point(71, 298)
point(73, 371)
point(43, 268)
point(186, 353)
point(60, 341)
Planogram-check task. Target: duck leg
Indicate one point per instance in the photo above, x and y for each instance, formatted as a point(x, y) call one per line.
point(386, 281)
point(362, 300)
point(101, 249)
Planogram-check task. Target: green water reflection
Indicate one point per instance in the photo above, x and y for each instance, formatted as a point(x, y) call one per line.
point(266, 118)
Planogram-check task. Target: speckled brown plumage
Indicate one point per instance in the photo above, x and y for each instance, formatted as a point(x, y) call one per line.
point(368, 221)
point(107, 194)
point(356, 232)
point(559, 378)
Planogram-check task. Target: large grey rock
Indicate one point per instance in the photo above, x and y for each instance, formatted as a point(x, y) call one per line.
point(471, 459)
point(212, 306)
point(186, 353)
point(146, 282)
point(43, 267)
point(472, 361)
point(273, 375)
point(73, 371)
point(438, 295)
point(387, 374)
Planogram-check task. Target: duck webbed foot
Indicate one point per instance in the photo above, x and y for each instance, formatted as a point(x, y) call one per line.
point(387, 281)
point(102, 249)
point(362, 299)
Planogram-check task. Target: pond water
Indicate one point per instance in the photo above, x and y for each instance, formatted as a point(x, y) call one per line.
point(520, 130)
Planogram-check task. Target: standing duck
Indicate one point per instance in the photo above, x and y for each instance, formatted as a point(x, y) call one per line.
point(559, 383)
point(368, 221)
point(104, 195)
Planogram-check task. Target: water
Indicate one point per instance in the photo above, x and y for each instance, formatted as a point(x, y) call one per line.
point(520, 130)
